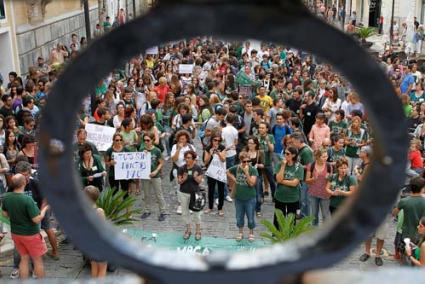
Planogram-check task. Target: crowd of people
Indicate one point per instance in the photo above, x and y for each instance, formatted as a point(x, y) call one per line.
point(286, 126)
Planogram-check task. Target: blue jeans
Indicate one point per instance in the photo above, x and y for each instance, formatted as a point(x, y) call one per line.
point(245, 207)
point(259, 190)
point(304, 204)
point(268, 172)
point(323, 204)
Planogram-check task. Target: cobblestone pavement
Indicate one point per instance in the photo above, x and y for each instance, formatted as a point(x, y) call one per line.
point(71, 265)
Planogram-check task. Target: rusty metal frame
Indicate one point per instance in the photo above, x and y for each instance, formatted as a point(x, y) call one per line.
point(286, 22)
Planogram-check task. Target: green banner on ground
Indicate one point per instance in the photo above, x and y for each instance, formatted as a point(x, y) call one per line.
point(205, 246)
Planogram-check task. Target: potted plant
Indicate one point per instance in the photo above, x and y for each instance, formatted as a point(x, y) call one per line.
point(363, 33)
point(118, 210)
point(288, 228)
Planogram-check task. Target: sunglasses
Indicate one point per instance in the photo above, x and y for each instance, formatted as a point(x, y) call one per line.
point(244, 162)
point(118, 140)
point(147, 140)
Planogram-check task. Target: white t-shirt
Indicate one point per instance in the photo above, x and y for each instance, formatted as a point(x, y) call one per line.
point(229, 135)
point(180, 161)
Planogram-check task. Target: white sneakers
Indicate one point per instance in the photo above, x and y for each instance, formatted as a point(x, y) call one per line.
point(179, 210)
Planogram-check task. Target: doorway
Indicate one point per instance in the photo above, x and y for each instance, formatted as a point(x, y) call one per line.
point(374, 12)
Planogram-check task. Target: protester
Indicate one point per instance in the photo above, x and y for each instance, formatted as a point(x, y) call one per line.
point(153, 186)
point(218, 151)
point(417, 255)
point(289, 174)
point(244, 176)
point(25, 218)
point(98, 267)
point(91, 168)
point(117, 147)
point(340, 185)
point(317, 174)
point(189, 177)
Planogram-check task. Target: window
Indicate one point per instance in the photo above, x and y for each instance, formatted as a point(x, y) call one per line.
point(2, 12)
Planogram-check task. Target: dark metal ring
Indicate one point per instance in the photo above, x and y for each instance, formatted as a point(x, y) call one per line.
point(271, 21)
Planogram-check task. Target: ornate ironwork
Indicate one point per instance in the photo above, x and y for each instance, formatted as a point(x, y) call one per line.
point(287, 22)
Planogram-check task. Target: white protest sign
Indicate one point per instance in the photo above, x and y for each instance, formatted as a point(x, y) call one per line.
point(100, 136)
point(153, 50)
point(132, 165)
point(217, 169)
point(186, 68)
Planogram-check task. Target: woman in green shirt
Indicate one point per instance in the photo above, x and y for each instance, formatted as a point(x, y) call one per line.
point(289, 174)
point(117, 147)
point(356, 138)
point(245, 177)
point(340, 185)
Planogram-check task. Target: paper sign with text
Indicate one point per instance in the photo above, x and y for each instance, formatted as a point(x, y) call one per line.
point(186, 68)
point(100, 136)
point(217, 169)
point(153, 50)
point(132, 165)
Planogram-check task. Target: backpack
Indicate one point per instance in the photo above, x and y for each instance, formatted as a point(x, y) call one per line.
point(197, 201)
point(201, 131)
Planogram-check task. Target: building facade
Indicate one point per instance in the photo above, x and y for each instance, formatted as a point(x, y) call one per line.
point(31, 28)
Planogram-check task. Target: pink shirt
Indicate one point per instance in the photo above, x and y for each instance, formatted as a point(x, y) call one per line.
point(318, 134)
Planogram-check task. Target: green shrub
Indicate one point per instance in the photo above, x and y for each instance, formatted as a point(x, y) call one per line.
point(118, 210)
point(288, 228)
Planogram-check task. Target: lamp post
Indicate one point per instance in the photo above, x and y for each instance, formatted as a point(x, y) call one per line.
point(87, 19)
point(392, 24)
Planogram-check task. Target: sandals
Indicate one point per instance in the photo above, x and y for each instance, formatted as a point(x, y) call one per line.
point(198, 236)
point(239, 237)
point(221, 213)
point(251, 237)
point(207, 211)
point(187, 235)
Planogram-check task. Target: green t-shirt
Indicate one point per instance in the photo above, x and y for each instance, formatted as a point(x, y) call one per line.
point(343, 185)
point(414, 210)
point(21, 209)
point(334, 155)
point(109, 154)
point(338, 127)
point(156, 156)
point(265, 148)
point(305, 156)
point(130, 139)
point(243, 190)
point(358, 138)
point(289, 194)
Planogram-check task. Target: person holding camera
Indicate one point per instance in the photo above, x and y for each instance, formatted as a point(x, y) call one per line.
point(215, 149)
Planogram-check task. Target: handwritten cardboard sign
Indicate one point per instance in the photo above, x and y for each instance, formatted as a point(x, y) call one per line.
point(132, 165)
point(100, 136)
point(217, 169)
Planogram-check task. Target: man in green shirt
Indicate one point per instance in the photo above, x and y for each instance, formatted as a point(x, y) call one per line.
point(267, 145)
point(25, 219)
point(305, 157)
point(413, 207)
point(154, 183)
